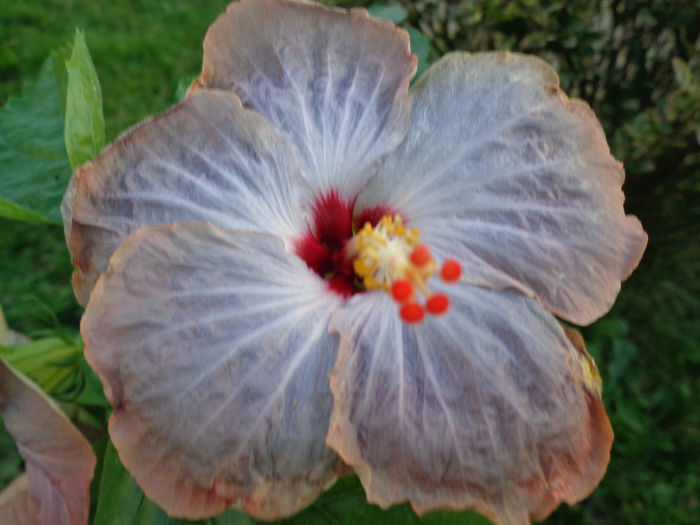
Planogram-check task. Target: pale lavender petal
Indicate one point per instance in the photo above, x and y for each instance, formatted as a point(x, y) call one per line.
point(207, 159)
point(334, 83)
point(59, 460)
point(502, 171)
point(487, 408)
point(16, 506)
point(213, 347)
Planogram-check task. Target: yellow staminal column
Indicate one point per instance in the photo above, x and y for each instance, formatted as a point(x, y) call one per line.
point(390, 257)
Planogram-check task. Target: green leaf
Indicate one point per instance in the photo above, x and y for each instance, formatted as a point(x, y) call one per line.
point(53, 363)
point(393, 12)
point(91, 393)
point(35, 167)
point(85, 125)
point(345, 504)
point(420, 46)
point(121, 502)
point(59, 56)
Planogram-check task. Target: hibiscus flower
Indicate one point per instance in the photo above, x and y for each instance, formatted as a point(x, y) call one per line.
point(301, 216)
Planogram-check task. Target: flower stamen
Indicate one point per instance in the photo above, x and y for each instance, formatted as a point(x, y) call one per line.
point(412, 312)
point(420, 256)
point(437, 304)
point(450, 271)
point(402, 290)
point(389, 257)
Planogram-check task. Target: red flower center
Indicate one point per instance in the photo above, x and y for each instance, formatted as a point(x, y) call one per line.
point(322, 248)
point(373, 251)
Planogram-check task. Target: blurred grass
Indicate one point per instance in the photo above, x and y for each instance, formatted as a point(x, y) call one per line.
point(648, 347)
point(140, 47)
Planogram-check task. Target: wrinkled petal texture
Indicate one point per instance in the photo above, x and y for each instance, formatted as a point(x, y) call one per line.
point(59, 460)
point(214, 349)
point(502, 171)
point(484, 408)
point(207, 159)
point(335, 84)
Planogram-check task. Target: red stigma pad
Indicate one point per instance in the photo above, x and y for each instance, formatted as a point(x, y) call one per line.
point(402, 290)
point(437, 304)
point(451, 271)
point(420, 256)
point(412, 313)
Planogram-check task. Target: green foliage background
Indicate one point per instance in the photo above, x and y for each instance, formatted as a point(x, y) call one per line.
point(636, 62)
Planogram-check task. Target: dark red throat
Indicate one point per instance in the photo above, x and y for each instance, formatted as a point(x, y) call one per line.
point(323, 246)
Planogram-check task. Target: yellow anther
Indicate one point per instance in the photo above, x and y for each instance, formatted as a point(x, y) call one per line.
point(382, 254)
point(389, 257)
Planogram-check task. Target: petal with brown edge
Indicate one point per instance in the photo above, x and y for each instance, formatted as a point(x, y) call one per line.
point(334, 83)
point(483, 408)
point(591, 376)
point(213, 347)
point(207, 159)
point(59, 460)
point(502, 171)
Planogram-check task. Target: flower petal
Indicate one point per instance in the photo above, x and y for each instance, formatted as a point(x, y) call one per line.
point(16, 506)
point(213, 347)
point(59, 460)
point(335, 84)
point(483, 408)
point(208, 159)
point(503, 171)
